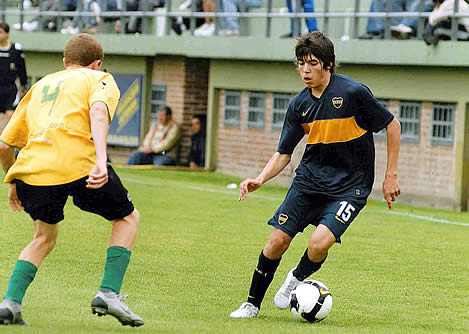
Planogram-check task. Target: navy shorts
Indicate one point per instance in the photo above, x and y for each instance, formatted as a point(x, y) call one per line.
point(7, 98)
point(299, 210)
point(46, 203)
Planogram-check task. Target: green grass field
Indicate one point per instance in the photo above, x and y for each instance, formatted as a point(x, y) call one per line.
point(197, 248)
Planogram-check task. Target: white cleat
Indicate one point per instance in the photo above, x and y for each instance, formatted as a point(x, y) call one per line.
point(246, 310)
point(282, 297)
point(111, 303)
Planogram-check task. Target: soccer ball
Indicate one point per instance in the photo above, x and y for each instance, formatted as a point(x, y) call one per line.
point(311, 300)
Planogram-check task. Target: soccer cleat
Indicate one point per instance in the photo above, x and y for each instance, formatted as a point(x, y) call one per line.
point(282, 297)
point(109, 302)
point(246, 310)
point(10, 313)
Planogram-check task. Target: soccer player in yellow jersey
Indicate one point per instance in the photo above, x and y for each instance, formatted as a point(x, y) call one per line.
point(61, 127)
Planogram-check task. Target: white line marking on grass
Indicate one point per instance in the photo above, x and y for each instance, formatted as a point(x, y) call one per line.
point(199, 188)
point(435, 220)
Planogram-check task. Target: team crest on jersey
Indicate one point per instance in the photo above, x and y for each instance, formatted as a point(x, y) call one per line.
point(282, 219)
point(337, 102)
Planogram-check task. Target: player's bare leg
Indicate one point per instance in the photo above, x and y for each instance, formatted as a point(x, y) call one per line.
point(108, 300)
point(30, 259)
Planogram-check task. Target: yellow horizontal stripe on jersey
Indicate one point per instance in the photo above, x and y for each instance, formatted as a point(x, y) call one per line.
point(333, 130)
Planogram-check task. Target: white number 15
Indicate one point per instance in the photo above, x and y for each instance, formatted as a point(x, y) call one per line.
point(345, 210)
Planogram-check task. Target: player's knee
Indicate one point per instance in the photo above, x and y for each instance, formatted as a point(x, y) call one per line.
point(45, 241)
point(133, 219)
point(318, 247)
point(278, 244)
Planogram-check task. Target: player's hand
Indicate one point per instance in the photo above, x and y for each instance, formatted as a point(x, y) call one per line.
point(147, 149)
point(15, 203)
point(248, 186)
point(391, 189)
point(98, 176)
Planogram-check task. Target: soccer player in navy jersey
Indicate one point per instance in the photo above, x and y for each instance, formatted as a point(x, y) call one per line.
point(336, 174)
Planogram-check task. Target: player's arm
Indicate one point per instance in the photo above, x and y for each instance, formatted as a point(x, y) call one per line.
point(7, 158)
point(275, 165)
point(391, 188)
point(99, 117)
point(292, 132)
point(21, 69)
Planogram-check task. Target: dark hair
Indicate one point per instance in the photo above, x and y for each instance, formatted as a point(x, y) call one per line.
point(5, 26)
point(83, 50)
point(203, 121)
point(167, 110)
point(317, 44)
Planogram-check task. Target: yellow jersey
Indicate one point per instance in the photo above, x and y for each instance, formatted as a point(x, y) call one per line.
point(52, 127)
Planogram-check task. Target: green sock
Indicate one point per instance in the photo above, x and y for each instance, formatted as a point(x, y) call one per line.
point(22, 276)
point(117, 260)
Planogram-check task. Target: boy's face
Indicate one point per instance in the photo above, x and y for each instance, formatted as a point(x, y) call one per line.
point(3, 35)
point(195, 123)
point(311, 71)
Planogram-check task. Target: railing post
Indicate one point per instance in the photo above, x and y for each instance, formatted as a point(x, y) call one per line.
point(454, 21)
point(356, 19)
point(80, 17)
point(326, 18)
point(145, 6)
point(4, 7)
point(218, 9)
point(421, 24)
point(296, 20)
point(21, 13)
point(123, 18)
point(59, 20)
point(168, 18)
point(40, 17)
point(192, 18)
point(242, 20)
point(387, 21)
point(269, 19)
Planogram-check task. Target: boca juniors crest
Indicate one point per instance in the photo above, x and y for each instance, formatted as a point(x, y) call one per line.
point(337, 102)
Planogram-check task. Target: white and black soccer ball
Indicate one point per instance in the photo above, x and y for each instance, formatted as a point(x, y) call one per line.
point(311, 300)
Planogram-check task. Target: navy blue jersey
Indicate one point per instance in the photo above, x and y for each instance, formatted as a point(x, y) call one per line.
point(340, 155)
point(12, 66)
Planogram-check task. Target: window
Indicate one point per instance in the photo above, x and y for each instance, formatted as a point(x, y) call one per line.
point(279, 109)
point(442, 124)
point(232, 113)
point(256, 110)
point(409, 116)
point(158, 99)
point(381, 135)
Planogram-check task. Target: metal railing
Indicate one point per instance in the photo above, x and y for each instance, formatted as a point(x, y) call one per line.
point(147, 14)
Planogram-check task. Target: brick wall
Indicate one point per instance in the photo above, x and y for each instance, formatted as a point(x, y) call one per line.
point(245, 151)
point(426, 171)
point(186, 81)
